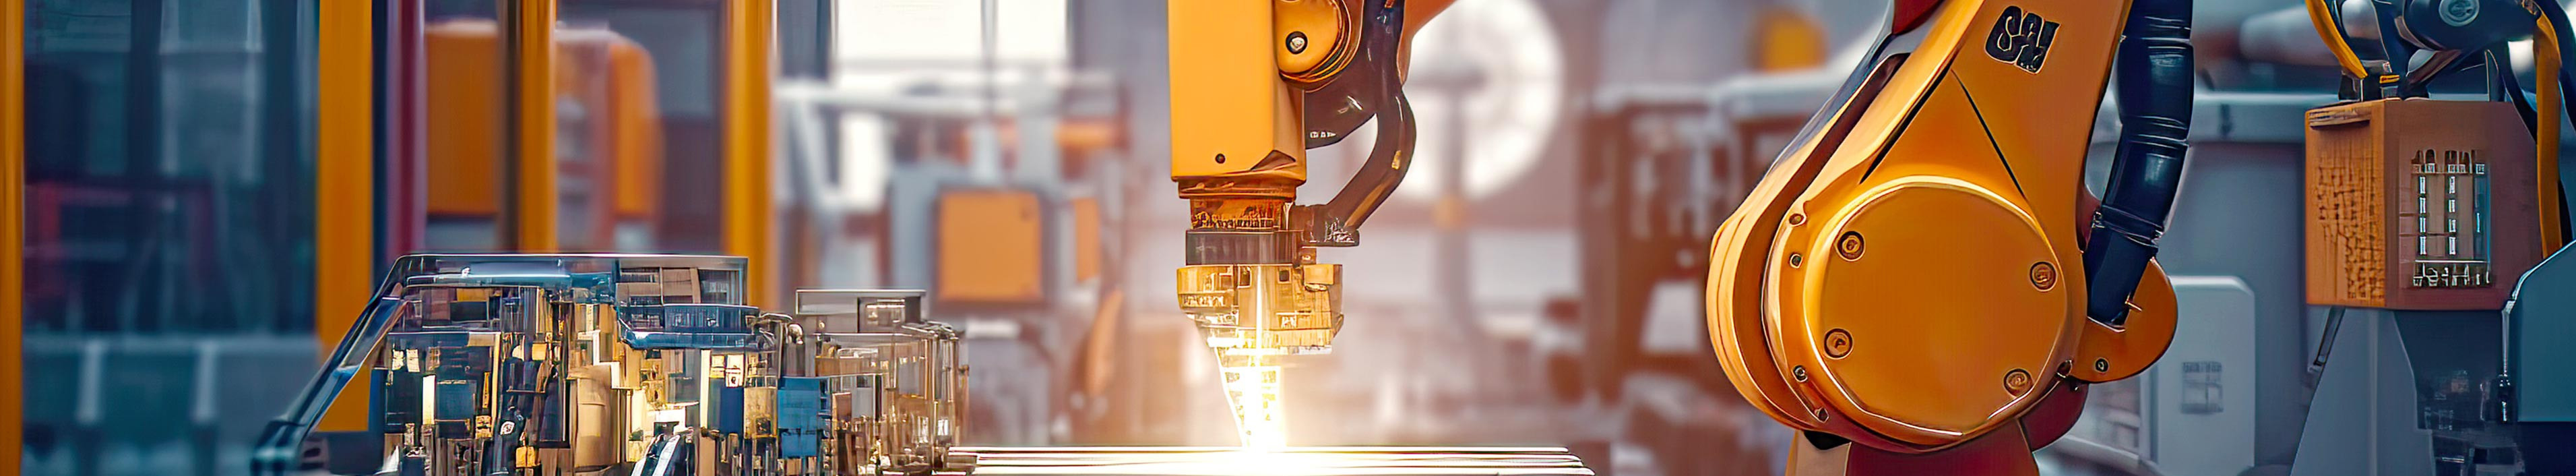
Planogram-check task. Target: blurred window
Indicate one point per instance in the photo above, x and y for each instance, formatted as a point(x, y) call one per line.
point(169, 166)
point(640, 131)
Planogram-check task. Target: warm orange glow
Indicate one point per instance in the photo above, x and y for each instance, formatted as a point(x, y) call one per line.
point(1252, 389)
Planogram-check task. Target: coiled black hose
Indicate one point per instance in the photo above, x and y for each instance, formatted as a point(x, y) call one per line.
point(2155, 95)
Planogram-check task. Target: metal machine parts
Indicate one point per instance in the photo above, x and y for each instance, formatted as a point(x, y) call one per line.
point(638, 364)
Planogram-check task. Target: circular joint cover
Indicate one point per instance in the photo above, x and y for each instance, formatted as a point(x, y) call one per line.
point(1314, 38)
point(1927, 329)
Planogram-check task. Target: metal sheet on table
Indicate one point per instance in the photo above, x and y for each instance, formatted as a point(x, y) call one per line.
point(1294, 461)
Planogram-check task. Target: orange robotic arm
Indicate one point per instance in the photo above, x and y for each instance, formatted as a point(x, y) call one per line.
point(1246, 103)
point(1914, 276)
point(1907, 285)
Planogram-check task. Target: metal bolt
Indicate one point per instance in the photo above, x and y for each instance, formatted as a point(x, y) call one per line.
point(1296, 42)
point(1795, 260)
point(1820, 415)
point(2043, 276)
point(1798, 372)
point(1849, 246)
point(2017, 381)
point(1797, 218)
point(2101, 365)
point(1838, 343)
point(1220, 158)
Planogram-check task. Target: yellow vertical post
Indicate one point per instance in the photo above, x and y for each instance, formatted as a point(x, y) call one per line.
point(13, 179)
point(534, 88)
point(343, 184)
point(747, 142)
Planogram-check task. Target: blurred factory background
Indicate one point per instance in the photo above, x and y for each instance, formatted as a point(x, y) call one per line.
point(211, 186)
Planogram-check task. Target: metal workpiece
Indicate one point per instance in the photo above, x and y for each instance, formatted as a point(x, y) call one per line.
point(1286, 461)
point(650, 364)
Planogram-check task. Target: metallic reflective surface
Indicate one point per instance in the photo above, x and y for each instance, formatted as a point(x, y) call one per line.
point(1287, 461)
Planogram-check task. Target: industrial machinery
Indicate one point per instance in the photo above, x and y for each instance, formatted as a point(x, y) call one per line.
point(1914, 374)
point(896, 382)
point(650, 364)
point(1837, 346)
point(1820, 305)
point(1852, 346)
point(1246, 104)
point(2427, 210)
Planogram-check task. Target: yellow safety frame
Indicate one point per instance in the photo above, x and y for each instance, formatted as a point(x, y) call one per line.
point(344, 222)
point(747, 219)
point(13, 235)
point(533, 52)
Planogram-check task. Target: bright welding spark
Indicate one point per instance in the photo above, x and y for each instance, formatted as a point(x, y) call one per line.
point(1251, 378)
point(1254, 390)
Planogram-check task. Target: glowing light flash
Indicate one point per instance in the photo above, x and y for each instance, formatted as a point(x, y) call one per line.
point(1251, 378)
point(1254, 391)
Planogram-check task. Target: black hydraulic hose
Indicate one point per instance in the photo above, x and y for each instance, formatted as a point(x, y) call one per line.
point(2509, 89)
point(1337, 222)
point(2155, 95)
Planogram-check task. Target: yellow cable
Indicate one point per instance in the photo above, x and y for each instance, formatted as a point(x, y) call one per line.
point(2322, 17)
point(2544, 53)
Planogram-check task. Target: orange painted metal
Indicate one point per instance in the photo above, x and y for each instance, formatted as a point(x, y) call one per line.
point(1910, 277)
point(2107, 354)
point(1791, 40)
point(991, 247)
point(533, 213)
point(619, 144)
point(1231, 110)
point(2396, 219)
point(1314, 38)
point(13, 234)
point(747, 209)
point(1087, 249)
point(463, 104)
point(596, 68)
point(637, 131)
point(344, 225)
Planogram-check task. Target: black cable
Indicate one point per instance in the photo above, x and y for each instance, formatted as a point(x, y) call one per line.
point(2154, 78)
point(2391, 47)
point(2509, 89)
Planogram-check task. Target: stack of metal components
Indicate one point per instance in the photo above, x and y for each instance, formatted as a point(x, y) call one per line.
point(636, 364)
point(653, 365)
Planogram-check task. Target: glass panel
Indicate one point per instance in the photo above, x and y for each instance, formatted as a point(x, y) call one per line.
point(169, 167)
point(639, 141)
point(169, 213)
